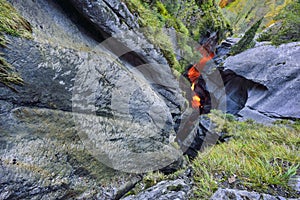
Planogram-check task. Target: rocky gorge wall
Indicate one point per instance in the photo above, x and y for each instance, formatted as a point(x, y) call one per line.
point(72, 84)
point(96, 111)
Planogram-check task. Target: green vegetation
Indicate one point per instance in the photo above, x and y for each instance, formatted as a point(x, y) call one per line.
point(260, 158)
point(256, 158)
point(7, 75)
point(242, 14)
point(152, 19)
point(150, 179)
point(286, 27)
point(247, 40)
point(190, 19)
point(13, 24)
point(212, 20)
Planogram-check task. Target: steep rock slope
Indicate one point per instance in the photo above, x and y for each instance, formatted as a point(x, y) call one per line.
point(86, 109)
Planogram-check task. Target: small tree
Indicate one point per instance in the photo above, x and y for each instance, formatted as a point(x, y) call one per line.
point(247, 40)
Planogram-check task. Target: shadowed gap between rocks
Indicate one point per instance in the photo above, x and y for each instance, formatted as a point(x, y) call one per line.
point(98, 34)
point(237, 90)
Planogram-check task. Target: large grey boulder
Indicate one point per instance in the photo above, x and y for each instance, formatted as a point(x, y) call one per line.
point(91, 83)
point(43, 157)
point(132, 134)
point(112, 18)
point(263, 83)
point(89, 25)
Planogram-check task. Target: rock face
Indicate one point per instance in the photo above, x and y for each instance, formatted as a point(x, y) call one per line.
point(96, 111)
point(87, 119)
point(43, 157)
point(223, 50)
point(262, 83)
point(177, 189)
point(109, 16)
point(112, 18)
point(201, 137)
point(221, 194)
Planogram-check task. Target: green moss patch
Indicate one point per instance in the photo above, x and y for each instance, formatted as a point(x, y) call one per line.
point(13, 24)
point(260, 158)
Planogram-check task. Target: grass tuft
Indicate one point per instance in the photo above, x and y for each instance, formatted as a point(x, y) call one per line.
point(7, 76)
point(260, 158)
point(13, 24)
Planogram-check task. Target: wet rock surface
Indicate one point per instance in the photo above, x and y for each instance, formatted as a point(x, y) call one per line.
point(41, 139)
point(112, 18)
point(149, 61)
point(48, 73)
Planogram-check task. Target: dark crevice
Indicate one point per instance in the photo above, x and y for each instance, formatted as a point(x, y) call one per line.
point(237, 90)
point(85, 25)
point(98, 34)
